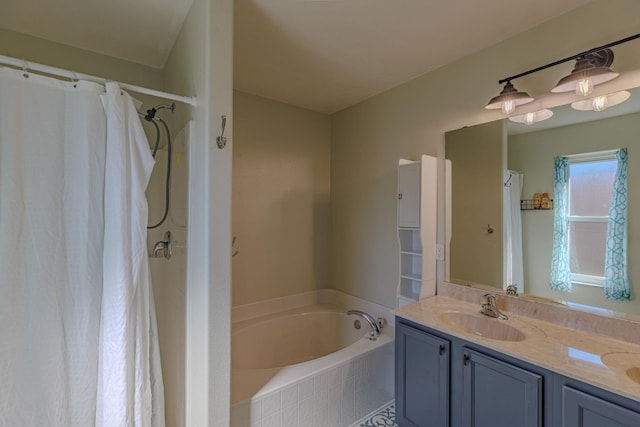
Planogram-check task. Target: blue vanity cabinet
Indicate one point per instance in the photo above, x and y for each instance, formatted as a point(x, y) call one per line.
point(582, 405)
point(422, 378)
point(499, 394)
point(444, 381)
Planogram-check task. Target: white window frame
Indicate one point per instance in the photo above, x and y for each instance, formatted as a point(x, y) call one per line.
point(608, 155)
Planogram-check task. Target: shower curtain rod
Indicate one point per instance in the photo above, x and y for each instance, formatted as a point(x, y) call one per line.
point(32, 66)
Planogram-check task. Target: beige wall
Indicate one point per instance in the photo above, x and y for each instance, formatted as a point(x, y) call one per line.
point(280, 199)
point(411, 119)
point(476, 176)
point(533, 154)
point(43, 51)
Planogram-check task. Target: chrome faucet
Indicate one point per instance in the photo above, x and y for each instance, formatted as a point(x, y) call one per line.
point(512, 290)
point(490, 309)
point(163, 247)
point(375, 324)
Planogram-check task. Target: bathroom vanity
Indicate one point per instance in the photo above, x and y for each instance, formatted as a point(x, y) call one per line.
point(457, 367)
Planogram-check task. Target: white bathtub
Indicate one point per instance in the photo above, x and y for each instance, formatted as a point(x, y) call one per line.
point(298, 361)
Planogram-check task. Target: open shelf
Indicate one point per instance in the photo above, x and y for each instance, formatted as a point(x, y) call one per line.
point(410, 240)
point(528, 205)
point(410, 288)
point(411, 266)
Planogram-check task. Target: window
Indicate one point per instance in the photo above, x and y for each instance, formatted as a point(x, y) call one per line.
point(590, 182)
point(590, 223)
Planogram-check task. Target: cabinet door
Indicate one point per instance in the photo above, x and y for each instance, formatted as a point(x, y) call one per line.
point(409, 195)
point(498, 394)
point(584, 410)
point(422, 378)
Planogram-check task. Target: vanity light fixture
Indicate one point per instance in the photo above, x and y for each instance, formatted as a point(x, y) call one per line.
point(509, 99)
point(592, 68)
point(603, 102)
point(532, 117)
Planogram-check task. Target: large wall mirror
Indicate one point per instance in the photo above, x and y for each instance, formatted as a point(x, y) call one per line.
point(480, 160)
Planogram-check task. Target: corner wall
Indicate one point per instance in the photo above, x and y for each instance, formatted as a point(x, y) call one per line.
point(201, 65)
point(281, 205)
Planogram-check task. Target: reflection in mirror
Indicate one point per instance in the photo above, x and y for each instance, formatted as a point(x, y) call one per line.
point(480, 158)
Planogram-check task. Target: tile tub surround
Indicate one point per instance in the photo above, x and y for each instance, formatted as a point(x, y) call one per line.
point(564, 350)
point(335, 396)
point(334, 390)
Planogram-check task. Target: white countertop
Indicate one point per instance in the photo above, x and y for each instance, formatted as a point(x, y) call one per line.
point(588, 357)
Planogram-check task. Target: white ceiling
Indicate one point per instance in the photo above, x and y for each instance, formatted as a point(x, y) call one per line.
point(323, 55)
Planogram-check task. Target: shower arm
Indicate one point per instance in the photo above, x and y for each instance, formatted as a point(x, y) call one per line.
point(150, 116)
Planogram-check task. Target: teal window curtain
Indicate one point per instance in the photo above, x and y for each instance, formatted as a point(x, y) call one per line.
point(560, 272)
point(616, 281)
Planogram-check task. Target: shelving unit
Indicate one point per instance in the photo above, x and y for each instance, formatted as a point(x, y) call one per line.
point(417, 229)
point(410, 263)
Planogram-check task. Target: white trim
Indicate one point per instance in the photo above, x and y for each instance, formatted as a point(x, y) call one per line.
point(575, 218)
point(72, 75)
point(587, 280)
point(594, 156)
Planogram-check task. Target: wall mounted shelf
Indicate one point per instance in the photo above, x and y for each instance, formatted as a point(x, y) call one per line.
point(527, 205)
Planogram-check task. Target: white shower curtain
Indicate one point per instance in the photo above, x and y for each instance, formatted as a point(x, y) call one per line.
point(53, 150)
point(513, 262)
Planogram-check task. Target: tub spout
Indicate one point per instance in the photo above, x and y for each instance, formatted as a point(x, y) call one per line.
point(163, 247)
point(375, 324)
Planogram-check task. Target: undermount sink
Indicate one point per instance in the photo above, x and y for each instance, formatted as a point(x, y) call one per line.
point(629, 363)
point(483, 326)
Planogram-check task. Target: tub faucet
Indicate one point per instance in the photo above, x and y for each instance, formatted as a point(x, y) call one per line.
point(375, 324)
point(163, 247)
point(490, 309)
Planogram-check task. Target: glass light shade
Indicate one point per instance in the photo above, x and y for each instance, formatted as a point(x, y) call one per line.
point(600, 103)
point(584, 71)
point(532, 117)
point(509, 99)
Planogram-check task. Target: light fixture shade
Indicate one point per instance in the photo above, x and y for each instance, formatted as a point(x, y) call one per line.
point(509, 95)
point(593, 67)
point(599, 103)
point(533, 117)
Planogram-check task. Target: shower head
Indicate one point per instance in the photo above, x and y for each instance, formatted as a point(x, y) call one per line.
point(170, 107)
point(151, 113)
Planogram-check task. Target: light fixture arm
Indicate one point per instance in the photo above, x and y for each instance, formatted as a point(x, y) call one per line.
point(570, 58)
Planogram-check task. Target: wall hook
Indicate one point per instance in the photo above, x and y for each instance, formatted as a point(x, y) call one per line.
point(233, 242)
point(25, 69)
point(221, 140)
point(489, 229)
